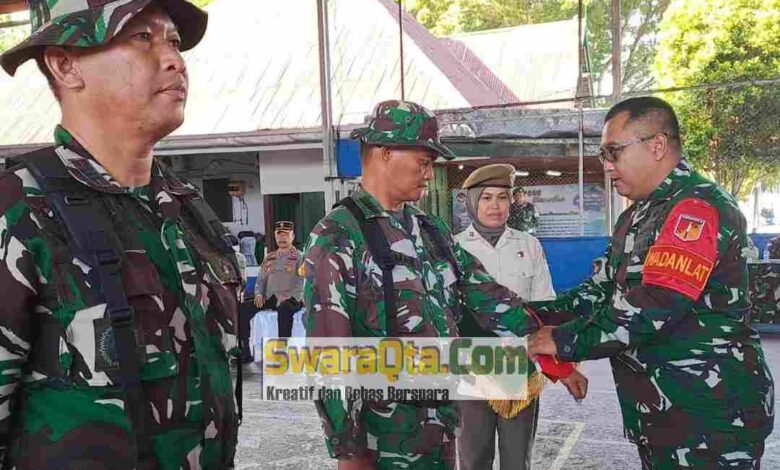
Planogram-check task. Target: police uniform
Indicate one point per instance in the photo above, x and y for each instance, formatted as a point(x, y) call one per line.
point(119, 304)
point(516, 261)
point(669, 309)
point(280, 282)
point(343, 285)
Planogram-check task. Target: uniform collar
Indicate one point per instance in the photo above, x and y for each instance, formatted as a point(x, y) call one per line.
point(471, 233)
point(679, 177)
point(83, 167)
point(371, 207)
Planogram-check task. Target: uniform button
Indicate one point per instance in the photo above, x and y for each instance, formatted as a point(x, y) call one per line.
point(335, 440)
point(567, 349)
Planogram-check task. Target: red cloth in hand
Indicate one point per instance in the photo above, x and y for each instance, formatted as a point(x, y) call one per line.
point(553, 368)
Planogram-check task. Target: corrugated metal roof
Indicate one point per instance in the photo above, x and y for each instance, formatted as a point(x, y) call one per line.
point(537, 62)
point(257, 68)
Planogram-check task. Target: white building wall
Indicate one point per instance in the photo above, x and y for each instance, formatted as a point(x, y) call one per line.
point(286, 171)
point(236, 167)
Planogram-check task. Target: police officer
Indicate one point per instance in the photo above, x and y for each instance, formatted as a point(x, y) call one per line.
point(669, 306)
point(342, 294)
point(279, 284)
point(523, 215)
point(119, 285)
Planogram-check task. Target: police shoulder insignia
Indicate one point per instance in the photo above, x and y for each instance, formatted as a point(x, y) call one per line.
point(686, 250)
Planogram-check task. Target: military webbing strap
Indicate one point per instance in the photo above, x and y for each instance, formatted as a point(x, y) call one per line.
point(380, 250)
point(217, 234)
point(92, 239)
point(445, 249)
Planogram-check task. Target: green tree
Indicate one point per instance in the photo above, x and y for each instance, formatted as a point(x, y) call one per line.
point(732, 133)
point(10, 36)
point(639, 21)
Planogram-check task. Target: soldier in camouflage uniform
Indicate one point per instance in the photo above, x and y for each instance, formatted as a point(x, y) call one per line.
point(669, 307)
point(765, 291)
point(343, 292)
point(772, 249)
point(117, 71)
point(523, 215)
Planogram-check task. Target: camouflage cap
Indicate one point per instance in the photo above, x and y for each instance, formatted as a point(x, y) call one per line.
point(90, 23)
point(398, 122)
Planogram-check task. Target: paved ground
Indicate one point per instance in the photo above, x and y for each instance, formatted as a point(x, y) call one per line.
point(585, 436)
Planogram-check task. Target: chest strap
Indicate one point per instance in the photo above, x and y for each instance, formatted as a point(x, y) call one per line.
point(92, 238)
point(387, 259)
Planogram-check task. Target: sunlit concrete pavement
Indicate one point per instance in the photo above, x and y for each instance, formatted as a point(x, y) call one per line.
point(586, 436)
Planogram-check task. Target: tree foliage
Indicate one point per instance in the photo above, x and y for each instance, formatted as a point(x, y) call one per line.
point(732, 133)
point(639, 21)
point(9, 37)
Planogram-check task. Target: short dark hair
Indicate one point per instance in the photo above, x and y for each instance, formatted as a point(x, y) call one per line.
point(365, 149)
point(39, 60)
point(648, 108)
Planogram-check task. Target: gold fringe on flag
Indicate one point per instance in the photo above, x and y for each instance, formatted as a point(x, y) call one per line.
point(510, 408)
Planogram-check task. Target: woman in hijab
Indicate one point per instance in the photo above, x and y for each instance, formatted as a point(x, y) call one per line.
point(516, 259)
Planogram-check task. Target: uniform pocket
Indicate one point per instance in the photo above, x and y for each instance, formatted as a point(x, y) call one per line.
point(145, 293)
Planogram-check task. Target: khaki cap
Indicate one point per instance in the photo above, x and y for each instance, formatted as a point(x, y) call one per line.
point(500, 175)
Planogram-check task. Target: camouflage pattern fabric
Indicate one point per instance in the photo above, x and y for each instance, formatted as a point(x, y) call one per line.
point(344, 297)
point(91, 23)
point(523, 217)
point(729, 454)
point(398, 122)
point(690, 374)
point(764, 292)
point(772, 249)
point(62, 405)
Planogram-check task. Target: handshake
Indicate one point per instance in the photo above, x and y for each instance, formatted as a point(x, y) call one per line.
point(543, 349)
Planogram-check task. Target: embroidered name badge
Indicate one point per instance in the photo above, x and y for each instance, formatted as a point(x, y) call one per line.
point(685, 270)
point(685, 252)
point(688, 228)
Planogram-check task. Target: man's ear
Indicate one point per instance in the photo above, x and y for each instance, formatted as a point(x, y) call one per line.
point(63, 65)
point(660, 146)
point(386, 153)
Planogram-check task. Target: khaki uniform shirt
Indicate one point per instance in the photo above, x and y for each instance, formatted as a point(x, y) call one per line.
point(280, 275)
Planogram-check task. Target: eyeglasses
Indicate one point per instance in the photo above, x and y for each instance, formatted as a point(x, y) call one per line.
point(611, 153)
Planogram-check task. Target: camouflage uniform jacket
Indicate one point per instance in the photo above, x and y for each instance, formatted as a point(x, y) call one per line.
point(669, 309)
point(772, 250)
point(62, 405)
point(523, 217)
point(343, 297)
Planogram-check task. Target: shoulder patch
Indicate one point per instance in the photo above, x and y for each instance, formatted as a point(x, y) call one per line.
point(685, 252)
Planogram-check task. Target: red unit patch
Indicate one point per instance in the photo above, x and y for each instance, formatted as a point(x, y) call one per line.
point(684, 266)
point(686, 251)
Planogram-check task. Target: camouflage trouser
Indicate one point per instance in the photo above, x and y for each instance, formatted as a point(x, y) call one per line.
point(737, 456)
point(412, 438)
